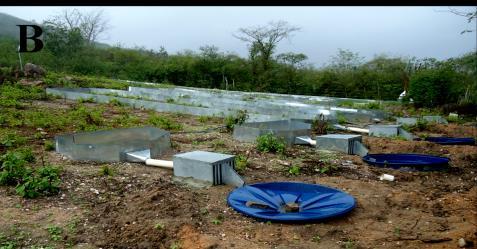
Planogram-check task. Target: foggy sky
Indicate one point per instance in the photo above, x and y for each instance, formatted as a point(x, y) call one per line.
point(396, 31)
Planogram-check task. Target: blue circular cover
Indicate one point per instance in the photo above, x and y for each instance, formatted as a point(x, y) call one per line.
point(290, 201)
point(408, 161)
point(452, 140)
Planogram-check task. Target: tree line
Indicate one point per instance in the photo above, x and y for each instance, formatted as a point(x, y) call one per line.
point(70, 46)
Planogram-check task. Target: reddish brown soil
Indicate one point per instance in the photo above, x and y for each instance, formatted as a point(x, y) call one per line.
point(141, 207)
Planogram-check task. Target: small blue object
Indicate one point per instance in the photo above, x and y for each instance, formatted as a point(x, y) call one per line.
point(408, 162)
point(452, 140)
point(290, 202)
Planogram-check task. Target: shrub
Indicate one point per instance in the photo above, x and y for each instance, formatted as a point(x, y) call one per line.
point(429, 88)
point(319, 124)
point(270, 143)
point(44, 181)
point(241, 162)
point(232, 120)
point(29, 183)
point(13, 168)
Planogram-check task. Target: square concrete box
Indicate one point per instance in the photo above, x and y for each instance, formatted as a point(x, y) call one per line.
point(338, 142)
point(215, 168)
point(384, 130)
point(286, 129)
point(435, 119)
point(406, 121)
point(111, 145)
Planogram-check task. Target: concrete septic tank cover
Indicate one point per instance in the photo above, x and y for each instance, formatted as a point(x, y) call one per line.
point(408, 162)
point(111, 145)
point(290, 202)
point(286, 129)
point(338, 142)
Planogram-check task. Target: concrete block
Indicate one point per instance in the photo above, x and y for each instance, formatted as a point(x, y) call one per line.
point(384, 130)
point(338, 142)
point(286, 129)
point(406, 121)
point(435, 119)
point(206, 166)
point(111, 145)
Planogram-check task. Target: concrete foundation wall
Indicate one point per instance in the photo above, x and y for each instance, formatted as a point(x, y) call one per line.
point(110, 145)
point(286, 129)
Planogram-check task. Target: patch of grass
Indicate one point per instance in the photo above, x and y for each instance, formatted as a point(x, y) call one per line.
point(218, 220)
point(87, 100)
point(164, 123)
point(159, 226)
point(399, 137)
point(397, 231)
point(176, 245)
point(218, 144)
point(270, 143)
point(316, 239)
point(294, 170)
point(105, 170)
point(49, 146)
point(349, 244)
point(341, 119)
point(12, 140)
point(116, 102)
point(241, 162)
point(170, 100)
point(55, 232)
point(204, 119)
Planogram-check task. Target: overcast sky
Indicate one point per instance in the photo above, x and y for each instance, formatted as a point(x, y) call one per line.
point(396, 31)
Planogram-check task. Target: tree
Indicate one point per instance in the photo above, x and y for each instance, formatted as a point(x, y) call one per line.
point(91, 24)
point(469, 15)
point(262, 42)
point(346, 60)
point(293, 62)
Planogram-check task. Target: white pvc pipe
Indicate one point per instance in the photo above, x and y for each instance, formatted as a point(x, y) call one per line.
point(159, 163)
point(355, 129)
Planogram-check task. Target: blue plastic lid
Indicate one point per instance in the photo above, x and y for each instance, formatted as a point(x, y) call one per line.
point(408, 161)
point(290, 201)
point(452, 140)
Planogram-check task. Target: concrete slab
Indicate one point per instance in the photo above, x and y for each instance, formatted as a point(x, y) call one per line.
point(384, 130)
point(406, 121)
point(338, 142)
point(435, 119)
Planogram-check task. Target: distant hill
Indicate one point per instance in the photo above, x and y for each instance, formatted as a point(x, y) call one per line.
point(8, 26)
point(9, 29)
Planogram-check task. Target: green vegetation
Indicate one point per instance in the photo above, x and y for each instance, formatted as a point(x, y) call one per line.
point(159, 226)
point(55, 232)
point(294, 170)
point(237, 119)
point(320, 125)
point(164, 122)
point(49, 146)
point(28, 182)
point(241, 162)
point(270, 143)
point(204, 119)
point(106, 171)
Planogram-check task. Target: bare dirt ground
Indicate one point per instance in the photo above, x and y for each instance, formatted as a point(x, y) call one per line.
point(141, 207)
